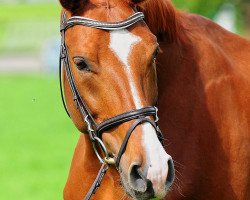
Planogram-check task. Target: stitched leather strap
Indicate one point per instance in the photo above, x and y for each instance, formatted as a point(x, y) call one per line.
point(129, 132)
point(97, 181)
point(125, 117)
point(77, 20)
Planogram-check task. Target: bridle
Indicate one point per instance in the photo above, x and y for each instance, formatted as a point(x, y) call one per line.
point(95, 130)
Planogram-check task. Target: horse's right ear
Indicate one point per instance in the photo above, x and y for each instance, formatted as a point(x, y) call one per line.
point(72, 5)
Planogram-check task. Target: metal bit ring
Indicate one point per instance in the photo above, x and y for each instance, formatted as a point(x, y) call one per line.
point(101, 144)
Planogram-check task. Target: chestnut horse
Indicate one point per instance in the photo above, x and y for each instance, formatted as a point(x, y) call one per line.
point(203, 76)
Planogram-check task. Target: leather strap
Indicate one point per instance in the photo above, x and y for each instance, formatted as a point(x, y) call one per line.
point(80, 104)
point(97, 181)
point(110, 26)
point(125, 117)
point(129, 132)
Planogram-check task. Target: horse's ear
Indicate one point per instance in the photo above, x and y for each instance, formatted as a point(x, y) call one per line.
point(72, 5)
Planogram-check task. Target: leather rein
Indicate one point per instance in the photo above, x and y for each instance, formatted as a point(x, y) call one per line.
point(95, 130)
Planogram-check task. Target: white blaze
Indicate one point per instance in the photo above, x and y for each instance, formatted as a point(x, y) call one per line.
point(121, 43)
point(157, 160)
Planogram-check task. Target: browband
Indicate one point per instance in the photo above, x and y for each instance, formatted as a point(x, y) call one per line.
point(110, 26)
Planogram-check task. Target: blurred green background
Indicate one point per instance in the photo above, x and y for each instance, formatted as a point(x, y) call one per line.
point(37, 139)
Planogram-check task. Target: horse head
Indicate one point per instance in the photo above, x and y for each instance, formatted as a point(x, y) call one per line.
point(115, 72)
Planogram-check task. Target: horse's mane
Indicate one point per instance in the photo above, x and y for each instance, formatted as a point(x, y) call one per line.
point(163, 19)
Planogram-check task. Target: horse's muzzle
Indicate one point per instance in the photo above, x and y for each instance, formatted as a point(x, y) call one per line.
point(144, 187)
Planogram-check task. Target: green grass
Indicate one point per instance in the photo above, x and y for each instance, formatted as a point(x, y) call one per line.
point(37, 138)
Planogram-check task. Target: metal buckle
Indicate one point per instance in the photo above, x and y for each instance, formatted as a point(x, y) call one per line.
point(90, 129)
point(110, 161)
point(156, 114)
point(63, 51)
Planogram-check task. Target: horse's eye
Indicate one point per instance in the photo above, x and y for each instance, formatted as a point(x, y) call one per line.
point(81, 64)
point(155, 54)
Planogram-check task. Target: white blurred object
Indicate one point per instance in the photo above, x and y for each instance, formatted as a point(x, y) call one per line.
point(20, 64)
point(50, 55)
point(226, 17)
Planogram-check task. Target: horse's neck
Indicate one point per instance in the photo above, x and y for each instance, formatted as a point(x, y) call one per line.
point(197, 73)
point(84, 169)
point(181, 102)
point(200, 110)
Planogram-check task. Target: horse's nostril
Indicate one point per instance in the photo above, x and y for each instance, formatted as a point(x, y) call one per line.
point(171, 174)
point(136, 179)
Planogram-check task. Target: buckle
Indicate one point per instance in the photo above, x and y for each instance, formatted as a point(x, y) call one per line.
point(156, 114)
point(63, 51)
point(90, 130)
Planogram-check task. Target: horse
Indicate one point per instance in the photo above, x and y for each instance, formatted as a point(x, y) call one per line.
point(193, 70)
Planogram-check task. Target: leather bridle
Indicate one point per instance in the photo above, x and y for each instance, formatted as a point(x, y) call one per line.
point(95, 130)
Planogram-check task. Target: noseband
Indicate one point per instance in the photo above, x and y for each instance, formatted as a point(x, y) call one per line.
point(95, 130)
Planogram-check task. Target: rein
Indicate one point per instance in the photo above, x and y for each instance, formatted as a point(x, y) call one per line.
point(95, 130)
